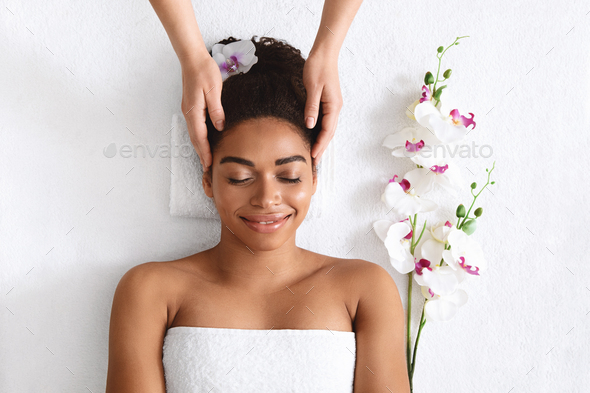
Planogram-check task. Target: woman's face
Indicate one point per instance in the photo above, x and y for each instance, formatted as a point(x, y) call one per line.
point(262, 166)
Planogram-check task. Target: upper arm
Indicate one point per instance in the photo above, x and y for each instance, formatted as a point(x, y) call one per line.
point(137, 328)
point(380, 336)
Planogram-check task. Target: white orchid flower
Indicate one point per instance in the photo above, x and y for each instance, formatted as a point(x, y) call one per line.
point(411, 140)
point(443, 280)
point(235, 57)
point(447, 176)
point(448, 129)
point(440, 231)
point(465, 255)
point(442, 308)
point(410, 109)
point(403, 197)
point(397, 237)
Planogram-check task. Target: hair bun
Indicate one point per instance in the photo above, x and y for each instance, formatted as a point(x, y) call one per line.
point(273, 87)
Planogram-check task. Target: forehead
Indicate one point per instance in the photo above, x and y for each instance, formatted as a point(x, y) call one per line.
point(263, 139)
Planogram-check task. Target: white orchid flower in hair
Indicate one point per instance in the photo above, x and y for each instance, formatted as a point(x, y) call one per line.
point(235, 57)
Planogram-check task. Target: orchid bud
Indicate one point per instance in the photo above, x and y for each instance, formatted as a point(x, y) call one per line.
point(460, 211)
point(478, 212)
point(438, 92)
point(473, 185)
point(493, 182)
point(428, 78)
point(447, 73)
point(469, 226)
point(440, 49)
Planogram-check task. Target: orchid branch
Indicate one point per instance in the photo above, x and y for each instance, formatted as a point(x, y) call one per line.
point(410, 280)
point(408, 335)
point(421, 233)
point(422, 323)
point(460, 223)
point(441, 51)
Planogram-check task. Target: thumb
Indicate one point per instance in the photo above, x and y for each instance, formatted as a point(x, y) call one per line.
point(213, 99)
point(312, 106)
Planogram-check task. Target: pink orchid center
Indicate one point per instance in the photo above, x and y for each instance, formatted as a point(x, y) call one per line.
point(231, 64)
point(426, 94)
point(414, 147)
point(439, 170)
point(409, 235)
point(448, 224)
point(468, 268)
point(404, 184)
point(458, 119)
point(421, 265)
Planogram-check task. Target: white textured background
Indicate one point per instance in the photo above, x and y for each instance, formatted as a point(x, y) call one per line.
point(77, 76)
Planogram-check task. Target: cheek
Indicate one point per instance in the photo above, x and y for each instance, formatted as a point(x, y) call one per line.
point(299, 197)
point(228, 198)
point(299, 194)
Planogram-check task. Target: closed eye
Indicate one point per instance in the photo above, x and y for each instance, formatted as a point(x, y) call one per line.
point(235, 181)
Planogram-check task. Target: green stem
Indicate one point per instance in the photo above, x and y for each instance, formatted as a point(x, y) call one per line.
point(412, 245)
point(421, 233)
point(409, 337)
point(438, 70)
point(475, 197)
point(422, 323)
point(410, 280)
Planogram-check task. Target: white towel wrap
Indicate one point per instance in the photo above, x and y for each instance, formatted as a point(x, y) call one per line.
point(198, 359)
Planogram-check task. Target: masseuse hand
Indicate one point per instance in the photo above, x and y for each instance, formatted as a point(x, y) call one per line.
point(320, 78)
point(201, 91)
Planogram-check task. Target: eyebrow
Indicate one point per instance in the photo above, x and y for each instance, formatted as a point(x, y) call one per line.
point(280, 161)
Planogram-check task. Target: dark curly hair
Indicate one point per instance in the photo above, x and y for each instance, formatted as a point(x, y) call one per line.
point(273, 87)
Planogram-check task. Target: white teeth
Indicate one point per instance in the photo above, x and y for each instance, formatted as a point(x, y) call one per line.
point(269, 222)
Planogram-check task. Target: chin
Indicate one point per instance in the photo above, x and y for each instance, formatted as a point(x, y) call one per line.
point(264, 246)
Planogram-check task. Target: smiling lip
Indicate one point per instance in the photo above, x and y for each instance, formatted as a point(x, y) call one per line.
point(266, 228)
point(265, 217)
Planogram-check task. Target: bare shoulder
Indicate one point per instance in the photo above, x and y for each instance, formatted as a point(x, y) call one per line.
point(356, 279)
point(380, 330)
point(149, 279)
point(365, 277)
point(138, 324)
point(370, 276)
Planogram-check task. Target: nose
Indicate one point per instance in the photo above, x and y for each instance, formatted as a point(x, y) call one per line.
point(267, 192)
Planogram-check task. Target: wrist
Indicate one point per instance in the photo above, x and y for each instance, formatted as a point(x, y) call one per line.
point(193, 57)
point(325, 50)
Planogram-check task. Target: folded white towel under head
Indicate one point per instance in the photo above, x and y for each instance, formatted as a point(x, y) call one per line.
point(187, 197)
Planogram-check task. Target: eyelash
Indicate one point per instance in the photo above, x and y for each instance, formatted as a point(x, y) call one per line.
point(234, 181)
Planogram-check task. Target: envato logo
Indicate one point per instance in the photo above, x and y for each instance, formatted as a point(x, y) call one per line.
point(163, 151)
point(448, 151)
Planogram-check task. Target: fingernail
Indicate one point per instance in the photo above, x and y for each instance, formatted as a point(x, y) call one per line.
point(219, 125)
point(309, 122)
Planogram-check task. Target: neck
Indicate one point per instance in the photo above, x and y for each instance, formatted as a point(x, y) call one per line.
point(262, 271)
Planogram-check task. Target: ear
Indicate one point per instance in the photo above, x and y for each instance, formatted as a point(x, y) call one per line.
point(315, 181)
point(207, 186)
